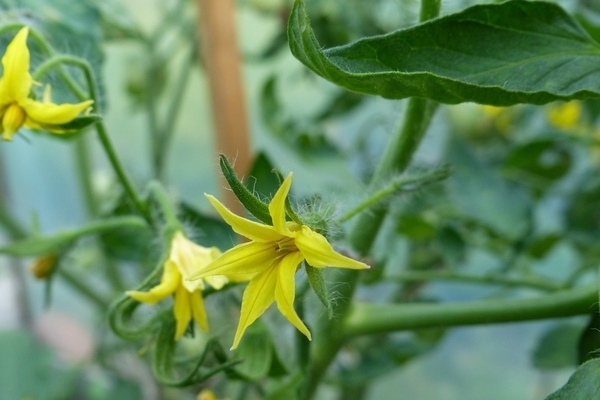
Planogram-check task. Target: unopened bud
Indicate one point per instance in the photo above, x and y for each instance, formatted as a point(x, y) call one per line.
point(43, 266)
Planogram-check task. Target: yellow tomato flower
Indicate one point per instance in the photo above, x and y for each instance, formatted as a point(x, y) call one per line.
point(185, 257)
point(566, 115)
point(16, 108)
point(271, 259)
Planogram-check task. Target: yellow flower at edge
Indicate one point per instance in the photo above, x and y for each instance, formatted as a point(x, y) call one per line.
point(16, 107)
point(565, 115)
point(270, 261)
point(185, 257)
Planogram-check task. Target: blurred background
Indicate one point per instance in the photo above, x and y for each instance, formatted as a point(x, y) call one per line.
point(521, 201)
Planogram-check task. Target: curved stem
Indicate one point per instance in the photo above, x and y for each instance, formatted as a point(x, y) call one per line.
point(364, 319)
point(100, 128)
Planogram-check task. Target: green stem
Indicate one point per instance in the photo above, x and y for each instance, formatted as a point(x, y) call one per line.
point(395, 160)
point(401, 183)
point(100, 128)
point(166, 133)
point(166, 206)
point(84, 172)
point(365, 319)
point(532, 282)
point(329, 335)
point(84, 288)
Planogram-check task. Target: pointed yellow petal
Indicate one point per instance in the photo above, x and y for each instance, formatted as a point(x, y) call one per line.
point(244, 260)
point(198, 310)
point(53, 114)
point(250, 229)
point(318, 252)
point(277, 207)
point(258, 296)
point(16, 81)
point(182, 311)
point(169, 282)
point(12, 120)
point(285, 290)
point(217, 281)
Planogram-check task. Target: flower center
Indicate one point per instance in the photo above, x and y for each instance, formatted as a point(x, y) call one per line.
point(12, 120)
point(287, 245)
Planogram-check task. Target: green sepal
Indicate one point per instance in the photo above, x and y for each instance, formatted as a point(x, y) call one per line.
point(259, 355)
point(584, 384)
point(43, 245)
point(250, 202)
point(317, 283)
point(164, 364)
point(498, 54)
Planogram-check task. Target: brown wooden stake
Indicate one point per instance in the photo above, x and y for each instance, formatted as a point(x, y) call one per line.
point(216, 19)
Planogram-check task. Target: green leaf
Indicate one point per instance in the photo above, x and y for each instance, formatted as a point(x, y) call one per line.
point(498, 54)
point(589, 341)
point(584, 384)
point(541, 162)
point(208, 231)
point(557, 347)
point(481, 194)
point(288, 390)
point(258, 353)
point(542, 245)
point(415, 227)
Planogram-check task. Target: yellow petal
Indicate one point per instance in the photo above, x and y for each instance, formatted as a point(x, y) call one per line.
point(217, 281)
point(258, 296)
point(318, 252)
point(189, 258)
point(53, 114)
point(277, 207)
point(16, 81)
point(182, 311)
point(250, 229)
point(198, 310)
point(169, 282)
point(285, 290)
point(245, 260)
point(12, 120)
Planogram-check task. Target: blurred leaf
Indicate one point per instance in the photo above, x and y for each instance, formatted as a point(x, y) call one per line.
point(258, 353)
point(589, 341)
point(584, 213)
point(558, 347)
point(288, 390)
point(261, 178)
point(452, 245)
point(542, 161)
point(208, 231)
point(28, 370)
point(584, 384)
point(540, 246)
point(480, 193)
point(415, 227)
point(497, 54)
point(131, 243)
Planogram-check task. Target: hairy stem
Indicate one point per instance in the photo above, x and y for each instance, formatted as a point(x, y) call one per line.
point(364, 319)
